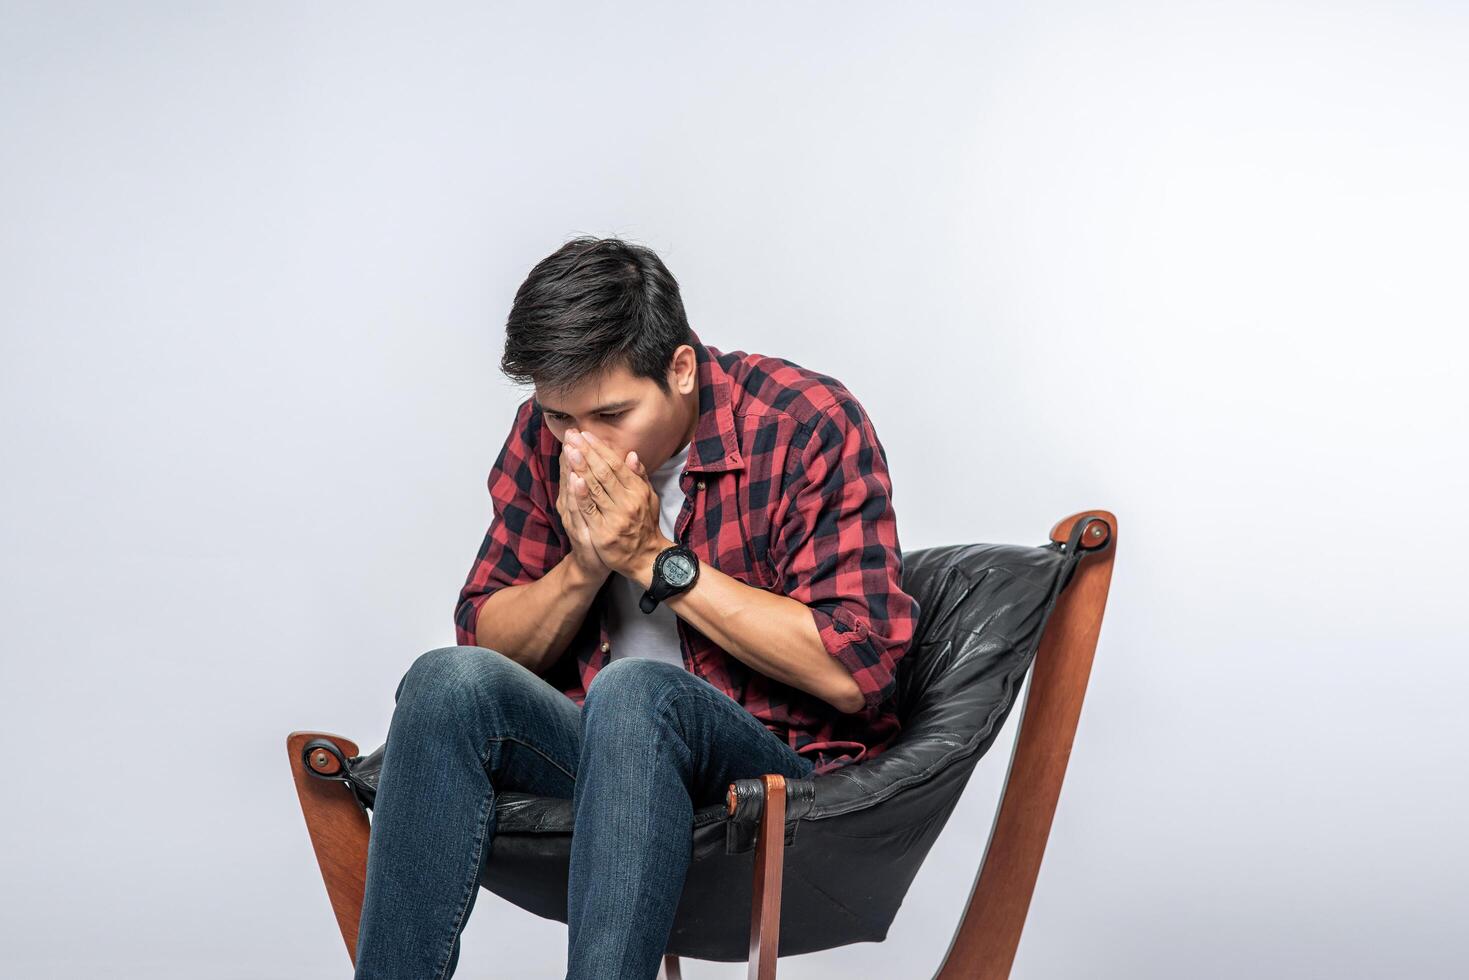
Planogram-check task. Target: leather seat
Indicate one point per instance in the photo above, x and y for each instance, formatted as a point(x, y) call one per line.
point(856, 836)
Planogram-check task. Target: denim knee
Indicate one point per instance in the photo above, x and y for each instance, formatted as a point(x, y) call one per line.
point(632, 687)
point(451, 669)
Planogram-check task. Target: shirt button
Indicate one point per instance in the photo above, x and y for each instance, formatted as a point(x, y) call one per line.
point(700, 484)
point(606, 646)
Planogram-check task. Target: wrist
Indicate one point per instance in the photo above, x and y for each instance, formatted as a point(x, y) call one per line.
point(579, 578)
point(641, 568)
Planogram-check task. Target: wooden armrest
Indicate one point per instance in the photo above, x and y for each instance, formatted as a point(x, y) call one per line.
point(767, 798)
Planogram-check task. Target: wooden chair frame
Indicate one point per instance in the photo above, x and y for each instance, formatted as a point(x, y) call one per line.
point(988, 935)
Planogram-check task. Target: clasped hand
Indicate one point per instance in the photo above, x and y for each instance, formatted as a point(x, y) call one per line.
point(614, 503)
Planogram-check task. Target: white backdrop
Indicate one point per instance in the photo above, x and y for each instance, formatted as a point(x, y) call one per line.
point(1198, 264)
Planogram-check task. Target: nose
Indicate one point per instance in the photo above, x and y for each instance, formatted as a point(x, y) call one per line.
point(601, 439)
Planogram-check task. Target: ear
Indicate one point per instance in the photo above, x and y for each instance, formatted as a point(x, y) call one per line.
point(683, 370)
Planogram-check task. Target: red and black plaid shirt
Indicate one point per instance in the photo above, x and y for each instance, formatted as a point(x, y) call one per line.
point(788, 491)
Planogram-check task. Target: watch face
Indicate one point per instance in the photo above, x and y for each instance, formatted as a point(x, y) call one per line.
point(678, 570)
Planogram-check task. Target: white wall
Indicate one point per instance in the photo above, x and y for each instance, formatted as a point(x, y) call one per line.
point(1198, 264)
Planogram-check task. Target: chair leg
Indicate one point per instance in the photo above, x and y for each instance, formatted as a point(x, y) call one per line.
point(670, 969)
point(765, 893)
point(988, 935)
point(338, 827)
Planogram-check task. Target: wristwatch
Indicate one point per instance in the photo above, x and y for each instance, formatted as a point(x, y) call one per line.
point(675, 570)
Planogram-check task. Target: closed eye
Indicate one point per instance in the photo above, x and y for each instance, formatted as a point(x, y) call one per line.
point(557, 417)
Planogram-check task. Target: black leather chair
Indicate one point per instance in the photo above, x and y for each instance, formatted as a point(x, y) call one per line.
point(853, 839)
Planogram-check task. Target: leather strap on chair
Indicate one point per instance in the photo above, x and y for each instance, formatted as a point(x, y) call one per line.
point(747, 803)
point(325, 760)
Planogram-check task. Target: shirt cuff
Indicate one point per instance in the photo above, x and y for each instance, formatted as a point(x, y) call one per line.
point(463, 636)
point(841, 632)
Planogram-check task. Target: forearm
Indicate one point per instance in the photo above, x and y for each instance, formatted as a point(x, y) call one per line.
point(533, 623)
point(773, 634)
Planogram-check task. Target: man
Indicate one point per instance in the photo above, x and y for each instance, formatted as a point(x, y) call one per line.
point(692, 576)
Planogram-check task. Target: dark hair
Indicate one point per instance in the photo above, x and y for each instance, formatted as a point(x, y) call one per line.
point(591, 305)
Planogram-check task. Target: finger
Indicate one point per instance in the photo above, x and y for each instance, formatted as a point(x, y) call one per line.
point(574, 521)
point(585, 502)
point(595, 487)
point(580, 454)
point(563, 492)
point(562, 489)
point(598, 473)
point(576, 490)
point(616, 473)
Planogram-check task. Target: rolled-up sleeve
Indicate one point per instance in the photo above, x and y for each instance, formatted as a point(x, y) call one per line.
point(524, 540)
point(836, 547)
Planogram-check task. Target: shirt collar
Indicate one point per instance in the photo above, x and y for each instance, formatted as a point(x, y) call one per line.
point(716, 446)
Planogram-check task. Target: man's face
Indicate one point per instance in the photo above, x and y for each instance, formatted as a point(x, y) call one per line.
point(626, 412)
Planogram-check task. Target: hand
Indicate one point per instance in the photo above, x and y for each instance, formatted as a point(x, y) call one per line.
point(617, 504)
point(583, 551)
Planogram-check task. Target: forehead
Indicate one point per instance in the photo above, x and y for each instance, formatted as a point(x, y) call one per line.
point(614, 388)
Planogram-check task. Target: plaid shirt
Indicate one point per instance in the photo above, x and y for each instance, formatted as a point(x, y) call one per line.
point(787, 490)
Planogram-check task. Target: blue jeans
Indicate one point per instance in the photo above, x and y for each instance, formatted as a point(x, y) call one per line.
point(650, 744)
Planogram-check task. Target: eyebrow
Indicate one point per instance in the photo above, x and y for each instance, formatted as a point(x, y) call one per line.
point(609, 407)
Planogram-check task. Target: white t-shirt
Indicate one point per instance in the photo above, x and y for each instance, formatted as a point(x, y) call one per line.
point(632, 632)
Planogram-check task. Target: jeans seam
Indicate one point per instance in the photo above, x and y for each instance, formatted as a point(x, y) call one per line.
point(485, 752)
point(484, 812)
